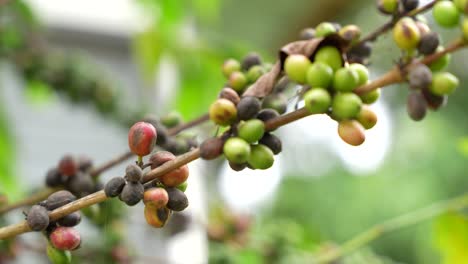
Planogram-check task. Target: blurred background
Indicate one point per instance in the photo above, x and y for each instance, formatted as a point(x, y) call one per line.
point(74, 75)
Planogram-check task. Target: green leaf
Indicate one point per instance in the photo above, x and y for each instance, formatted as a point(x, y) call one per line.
point(207, 9)
point(38, 92)
point(8, 182)
point(147, 47)
point(451, 238)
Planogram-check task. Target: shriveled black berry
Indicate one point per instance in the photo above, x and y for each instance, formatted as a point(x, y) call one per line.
point(250, 60)
point(181, 146)
point(416, 106)
point(237, 167)
point(429, 43)
point(282, 84)
point(70, 220)
point(272, 142)
point(177, 199)
point(434, 102)
point(420, 77)
point(53, 178)
point(229, 94)
point(279, 102)
point(81, 184)
point(360, 53)
point(409, 5)
point(114, 187)
point(307, 33)
point(211, 148)
point(85, 163)
point(248, 107)
point(38, 218)
point(267, 114)
point(58, 199)
point(133, 173)
point(132, 193)
point(98, 186)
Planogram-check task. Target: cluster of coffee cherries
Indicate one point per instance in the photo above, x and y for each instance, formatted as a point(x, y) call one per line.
point(246, 143)
point(331, 89)
point(430, 85)
point(178, 144)
point(61, 234)
point(162, 196)
point(73, 174)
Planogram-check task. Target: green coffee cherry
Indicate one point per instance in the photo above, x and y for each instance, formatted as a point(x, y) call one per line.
point(57, 256)
point(387, 6)
point(362, 72)
point(324, 29)
point(319, 74)
point(346, 106)
point(371, 97)
point(251, 130)
point(237, 81)
point(464, 28)
point(367, 117)
point(446, 13)
point(296, 66)
point(317, 100)
point(254, 73)
point(462, 5)
point(230, 66)
point(172, 119)
point(223, 112)
point(350, 33)
point(406, 34)
point(345, 80)
point(261, 157)
point(331, 56)
point(442, 62)
point(351, 132)
point(443, 83)
point(236, 150)
point(278, 102)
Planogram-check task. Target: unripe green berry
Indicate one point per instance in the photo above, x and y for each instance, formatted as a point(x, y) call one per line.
point(324, 29)
point(329, 55)
point(406, 34)
point(443, 83)
point(251, 130)
point(387, 6)
point(57, 256)
point(351, 132)
point(254, 73)
point(278, 102)
point(345, 80)
point(183, 186)
point(172, 119)
point(319, 74)
point(296, 66)
point(230, 66)
point(223, 112)
point(465, 28)
point(442, 62)
point(416, 106)
point(362, 72)
point(371, 97)
point(446, 14)
point(236, 150)
point(346, 106)
point(261, 157)
point(317, 100)
point(237, 81)
point(367, 117)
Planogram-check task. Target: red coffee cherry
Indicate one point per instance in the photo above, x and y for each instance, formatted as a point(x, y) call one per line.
point(65, 238)
point(68, 165)
point(142, 138)
point(156, 197)
point(175, 177)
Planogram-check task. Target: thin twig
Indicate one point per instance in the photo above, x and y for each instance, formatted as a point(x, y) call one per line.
point(388, 226)
point(389, 25)
point(174, 131)
point(35, 198)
